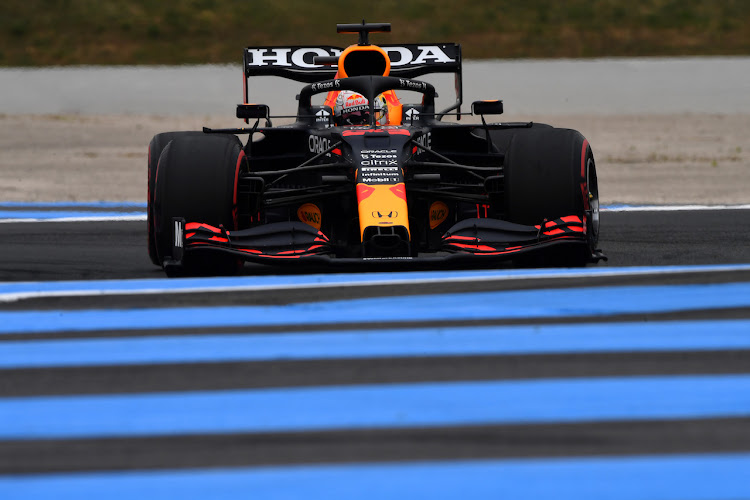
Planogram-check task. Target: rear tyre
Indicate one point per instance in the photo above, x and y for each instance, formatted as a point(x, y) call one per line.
point(155, 147)
point(550, 173)
point(197, 180)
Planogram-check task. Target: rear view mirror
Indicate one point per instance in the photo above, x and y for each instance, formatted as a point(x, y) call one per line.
point(249, 111)
point(494, 107)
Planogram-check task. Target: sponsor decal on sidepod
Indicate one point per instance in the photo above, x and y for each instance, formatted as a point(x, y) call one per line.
point(310, 215)
point(438, 213)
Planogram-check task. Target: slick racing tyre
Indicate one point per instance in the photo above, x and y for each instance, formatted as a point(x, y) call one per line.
point(550, 173)
point(196, 180)
point(155, 147)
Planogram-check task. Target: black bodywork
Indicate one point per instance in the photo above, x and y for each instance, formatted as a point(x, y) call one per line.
point(453, 177)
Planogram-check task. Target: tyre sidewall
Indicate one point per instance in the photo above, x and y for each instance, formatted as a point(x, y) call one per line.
point(155, 148)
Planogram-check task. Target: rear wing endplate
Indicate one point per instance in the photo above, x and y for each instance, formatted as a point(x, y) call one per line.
point(407, 60)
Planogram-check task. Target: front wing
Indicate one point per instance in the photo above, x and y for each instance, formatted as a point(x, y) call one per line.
point(480, 240)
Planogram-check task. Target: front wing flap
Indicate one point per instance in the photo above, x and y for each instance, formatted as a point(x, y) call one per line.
point(282, 240)
point(493, 237)
point(470, 240)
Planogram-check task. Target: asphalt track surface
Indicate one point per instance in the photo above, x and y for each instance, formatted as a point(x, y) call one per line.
point(577, 384)
point(42, 251)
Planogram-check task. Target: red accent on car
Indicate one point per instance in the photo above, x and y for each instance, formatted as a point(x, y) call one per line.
point(199, 225)
point(364, 191)
point(285, 256)
point(235, 208)
point(571, 218)
point(399, 190)
point(482, 248)
point(392, 131)
point(479, 210)
point(495, 251)
point(468, 238)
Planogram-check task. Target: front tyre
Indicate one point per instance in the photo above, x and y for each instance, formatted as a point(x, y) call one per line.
point(197, 180)
point(551, 173)
point(155, 147)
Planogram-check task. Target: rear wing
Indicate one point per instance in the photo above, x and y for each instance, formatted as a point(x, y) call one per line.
point(407, 60)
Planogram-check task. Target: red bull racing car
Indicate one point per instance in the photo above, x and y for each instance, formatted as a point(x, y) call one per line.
point(369, 172)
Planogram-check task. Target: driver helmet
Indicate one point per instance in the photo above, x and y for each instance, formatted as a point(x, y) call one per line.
point(353, 109)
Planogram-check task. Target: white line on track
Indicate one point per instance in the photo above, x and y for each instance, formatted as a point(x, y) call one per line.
point(93, 218)
point(670, 208)
point(142, 217)
point(311, 282)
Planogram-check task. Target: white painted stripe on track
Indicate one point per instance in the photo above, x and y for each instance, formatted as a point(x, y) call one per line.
point(13, 292)
point(461, 306)
point(93, 218)
point(670, 208)
point(55, 216)
point(140, 205)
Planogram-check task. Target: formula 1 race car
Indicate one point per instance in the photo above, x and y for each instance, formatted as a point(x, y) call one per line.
point(365, 178)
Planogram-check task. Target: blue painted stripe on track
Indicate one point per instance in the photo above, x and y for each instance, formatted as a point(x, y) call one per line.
point(258, 282)
point(376, 406)
point(469, 341)
point(552, 303)
point(663, 477)
point(68, 214)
